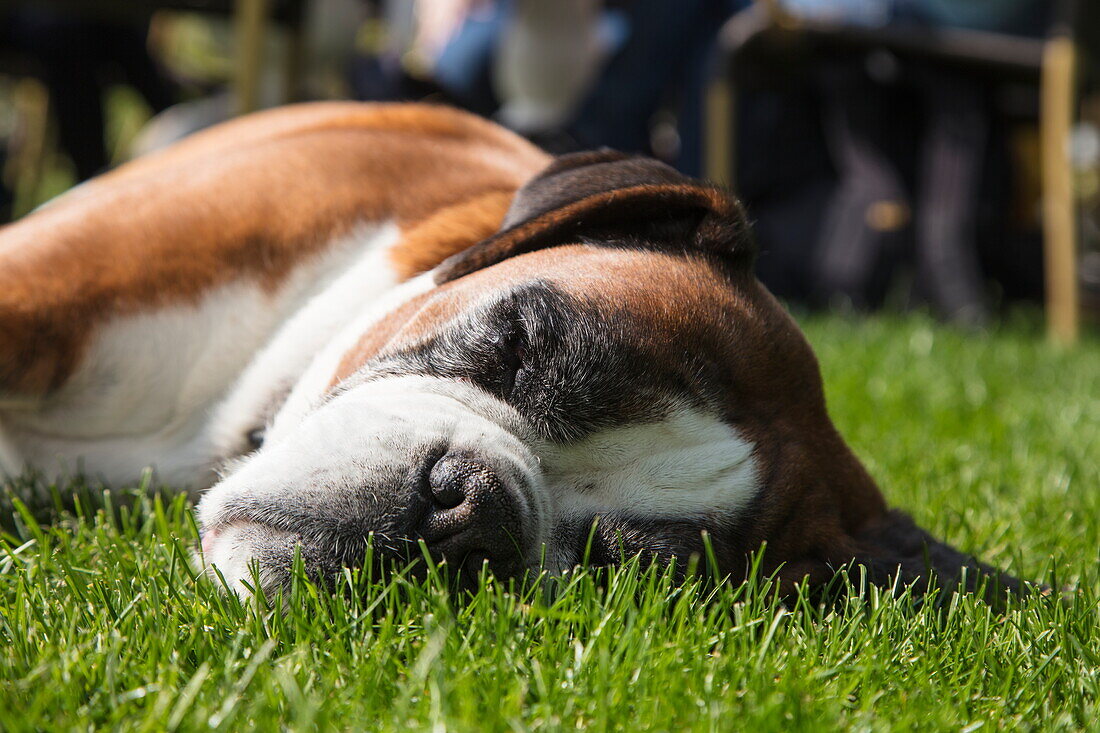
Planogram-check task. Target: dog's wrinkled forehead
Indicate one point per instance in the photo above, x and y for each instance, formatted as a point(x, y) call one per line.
point(578, 339)
point(617, 281)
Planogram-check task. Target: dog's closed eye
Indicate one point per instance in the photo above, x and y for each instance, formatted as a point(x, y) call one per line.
point(514, 361)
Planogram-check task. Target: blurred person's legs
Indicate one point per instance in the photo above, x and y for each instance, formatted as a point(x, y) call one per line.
point(787, 181)
point(464, 67)
point(695, 81)
point(443, 49)
point(956, 130)
point(549, 54)
point(869, 207)
point(665, 38)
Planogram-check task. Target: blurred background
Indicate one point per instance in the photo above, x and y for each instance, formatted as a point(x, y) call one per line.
point(935, 154)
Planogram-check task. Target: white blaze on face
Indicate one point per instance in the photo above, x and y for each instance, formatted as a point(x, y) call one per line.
point(347, 290)
point(313, 385)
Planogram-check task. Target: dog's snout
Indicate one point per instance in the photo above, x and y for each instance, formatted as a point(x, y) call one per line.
point(474, 516)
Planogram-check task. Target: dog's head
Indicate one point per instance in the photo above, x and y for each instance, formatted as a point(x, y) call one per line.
point(604, 377)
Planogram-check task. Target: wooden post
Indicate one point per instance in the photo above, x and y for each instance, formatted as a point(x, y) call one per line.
point(1059, 225)
point(250, 25)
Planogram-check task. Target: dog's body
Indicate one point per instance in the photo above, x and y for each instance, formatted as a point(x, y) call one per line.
point(353, 305)
point(131, 306)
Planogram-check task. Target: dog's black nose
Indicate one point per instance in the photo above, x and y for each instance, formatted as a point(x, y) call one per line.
point(473, 517)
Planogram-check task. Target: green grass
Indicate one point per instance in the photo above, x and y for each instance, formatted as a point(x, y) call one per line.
point(991, 442)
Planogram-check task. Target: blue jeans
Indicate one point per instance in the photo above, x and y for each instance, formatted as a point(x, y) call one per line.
point(666, 54)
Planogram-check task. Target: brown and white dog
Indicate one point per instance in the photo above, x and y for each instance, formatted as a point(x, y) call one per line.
point(406, 322)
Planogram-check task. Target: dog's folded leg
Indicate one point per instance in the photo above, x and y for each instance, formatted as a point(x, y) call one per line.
point(895, 551)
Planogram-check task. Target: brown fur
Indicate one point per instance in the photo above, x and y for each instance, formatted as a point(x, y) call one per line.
point(249, 200)
point(449, 231)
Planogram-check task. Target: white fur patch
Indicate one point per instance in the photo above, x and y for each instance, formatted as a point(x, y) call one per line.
point(139, 394)
point(273, 373)
point(144, 392)
point(314, 383)
point(688, 465)
point(230, 551)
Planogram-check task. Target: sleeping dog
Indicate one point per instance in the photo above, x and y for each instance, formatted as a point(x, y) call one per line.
point(405, 323)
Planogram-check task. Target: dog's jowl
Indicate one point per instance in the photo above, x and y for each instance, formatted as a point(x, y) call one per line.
point(398, 324)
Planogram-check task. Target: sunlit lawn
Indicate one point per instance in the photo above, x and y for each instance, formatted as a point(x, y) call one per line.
point(990, 441)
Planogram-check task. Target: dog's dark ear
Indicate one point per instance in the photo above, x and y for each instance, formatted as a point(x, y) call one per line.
point(605, 196)
point(896, 551)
